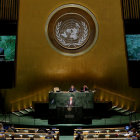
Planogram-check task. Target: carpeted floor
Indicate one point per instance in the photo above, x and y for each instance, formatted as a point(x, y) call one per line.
point(29, 120)
point(66, 137)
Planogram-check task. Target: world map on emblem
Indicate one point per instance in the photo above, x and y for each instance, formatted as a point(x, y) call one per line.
point(71, 34)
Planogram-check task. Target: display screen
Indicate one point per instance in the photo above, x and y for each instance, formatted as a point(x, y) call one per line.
point(133, 46)
point(7, 47)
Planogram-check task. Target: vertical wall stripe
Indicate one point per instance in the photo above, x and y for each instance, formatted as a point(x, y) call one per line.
point(8, 10)
point(131, 9)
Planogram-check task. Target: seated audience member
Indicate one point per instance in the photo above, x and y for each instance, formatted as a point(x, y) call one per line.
point(79, 131)
point(79, 137)
point(84, 88)
point(54, 137)
point(49, 137)
point(12, 137)
point(51, 131)
point(1, 127)
point(72, 89)
point(13, 128)
point(133, 133)
point(42, 130)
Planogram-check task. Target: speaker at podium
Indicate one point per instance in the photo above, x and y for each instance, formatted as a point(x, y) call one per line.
point(70, 108)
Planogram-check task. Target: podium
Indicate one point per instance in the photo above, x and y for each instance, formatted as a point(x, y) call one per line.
point(66, 115)
point(61, 113)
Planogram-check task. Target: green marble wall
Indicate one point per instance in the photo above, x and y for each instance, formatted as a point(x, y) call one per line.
point(81, 99)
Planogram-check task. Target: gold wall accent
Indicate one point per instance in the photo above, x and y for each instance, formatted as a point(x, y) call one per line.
point(40, 67)
point(117, 99)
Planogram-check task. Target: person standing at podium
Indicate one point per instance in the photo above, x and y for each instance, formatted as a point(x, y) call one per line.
point(72, 89)
point(71, 102)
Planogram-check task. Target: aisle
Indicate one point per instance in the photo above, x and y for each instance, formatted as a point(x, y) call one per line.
point(66, 137)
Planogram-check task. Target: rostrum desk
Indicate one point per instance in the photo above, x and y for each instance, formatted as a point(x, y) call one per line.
point(60, 112)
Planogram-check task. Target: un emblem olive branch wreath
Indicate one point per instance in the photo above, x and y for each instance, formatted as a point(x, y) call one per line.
point(81, 40)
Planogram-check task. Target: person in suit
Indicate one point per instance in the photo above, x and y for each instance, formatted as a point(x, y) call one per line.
point(72, 89)
point(133, 133)
point(13, 128)
point(2, 54)
point(79, 137)
point(1, 127)
point(84, 88)
point(71, 102)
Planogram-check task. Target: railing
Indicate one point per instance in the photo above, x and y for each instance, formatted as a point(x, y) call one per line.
point(116, 98)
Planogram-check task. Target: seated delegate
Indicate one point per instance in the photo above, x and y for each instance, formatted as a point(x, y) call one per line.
point(84, 88)
point(72, 89)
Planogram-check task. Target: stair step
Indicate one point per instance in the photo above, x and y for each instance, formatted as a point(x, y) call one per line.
point(123, 110)
point(24, 112)
point(113, 107)
point(129, 112)
point(17, 113)
point(117, 108)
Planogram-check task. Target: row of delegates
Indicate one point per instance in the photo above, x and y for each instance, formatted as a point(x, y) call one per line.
point(83, 89)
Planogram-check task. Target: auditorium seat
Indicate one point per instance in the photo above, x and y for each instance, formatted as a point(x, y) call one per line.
point(112, 136)
point(31, 131)
point(79, 132)
point(41, 131)
point(121, 136)
point(101, 136)
point(7, 136)
point(21, 131)
point(36, 136)
point(111, 130)
point(17, 136)
point(95, 135)
point(10, 130)
point(2, 136)
point(103, 131)
point(49, 137)
point(25, 136)
point(123, 130)
point(91, 131)
point(90, 136)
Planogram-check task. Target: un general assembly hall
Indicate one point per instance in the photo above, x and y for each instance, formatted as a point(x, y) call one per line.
point(69, 69)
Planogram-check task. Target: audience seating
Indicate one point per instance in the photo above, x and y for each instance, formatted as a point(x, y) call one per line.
point(30, 133)
point(104, 134)
point(36, 136)
point(112, 136)
point(101, 136)
point(40, 131)
point(25, 136)
point(17, 136)
point(90, 136)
